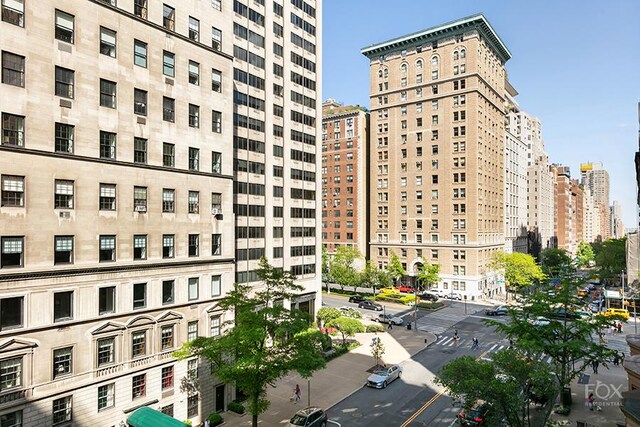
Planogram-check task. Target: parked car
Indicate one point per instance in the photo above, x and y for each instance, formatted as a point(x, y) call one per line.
point(390, 318)
point(405, 288)
point(454, 295)
point(392, 291)
point(309, 417)
point(476, 416)
point(350, 312)
point(382, 377)
point(370, 305)
point(356, 298)
point(497, 311)
point(561, 313)
point(429, 296)
point(621, 312)
point(540, 321)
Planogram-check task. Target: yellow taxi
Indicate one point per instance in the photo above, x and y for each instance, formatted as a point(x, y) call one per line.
point(622, 312)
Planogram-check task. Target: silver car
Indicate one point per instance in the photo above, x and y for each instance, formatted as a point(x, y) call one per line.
point(381, 377)
point(389, 318)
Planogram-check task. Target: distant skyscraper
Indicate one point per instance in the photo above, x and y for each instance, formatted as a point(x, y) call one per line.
point(569, 202)
point(615, 218)
point(596, 180)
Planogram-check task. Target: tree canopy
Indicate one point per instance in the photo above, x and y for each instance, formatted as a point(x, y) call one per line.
point(520, 270)
point(265, 340)
point(585, 254)
point(611, 257)
point(372, 277)
point(342, 266)
point(429, 274)
point(347, 326)
point(554, 261)
point(395, 269)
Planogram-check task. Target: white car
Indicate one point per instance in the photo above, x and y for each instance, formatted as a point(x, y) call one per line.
point(382, 377)
point(454, 295)
point(540, 321)
point(389, 318)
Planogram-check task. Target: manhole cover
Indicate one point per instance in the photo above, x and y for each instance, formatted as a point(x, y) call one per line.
point(356, 415)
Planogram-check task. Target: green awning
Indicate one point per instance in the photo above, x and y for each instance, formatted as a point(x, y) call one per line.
point(147, 417)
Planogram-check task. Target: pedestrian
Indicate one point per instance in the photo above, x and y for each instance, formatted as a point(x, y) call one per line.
point(390, 325)
point(595, 365)
point(296, 393)
point(619, 327)
point(206, 423)
point(616, 360)
point(475, 343)
point(590, 401)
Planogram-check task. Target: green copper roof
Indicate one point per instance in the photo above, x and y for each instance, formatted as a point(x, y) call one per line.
point(478, 22)
point(147, 417)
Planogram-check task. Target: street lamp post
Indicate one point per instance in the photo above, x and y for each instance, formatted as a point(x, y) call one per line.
point(309, 392)
point(415, 307)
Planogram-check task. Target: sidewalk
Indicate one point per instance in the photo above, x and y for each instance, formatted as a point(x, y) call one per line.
point(342, 377)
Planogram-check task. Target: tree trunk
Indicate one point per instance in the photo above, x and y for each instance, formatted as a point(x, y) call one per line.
point(254, 420)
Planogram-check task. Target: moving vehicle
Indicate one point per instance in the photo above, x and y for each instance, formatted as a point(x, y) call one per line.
point(622, 312)
point(370, 305)
point(405, 288)
point(476, 416)
point(390, 318)
point(540, 321)
point(497, 311)
point(356, 298)
point(561, 313)
point(309, 417)
point(382, 377)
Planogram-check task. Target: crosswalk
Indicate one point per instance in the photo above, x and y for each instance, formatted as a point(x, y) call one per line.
point(485, 349)
point(439, 322)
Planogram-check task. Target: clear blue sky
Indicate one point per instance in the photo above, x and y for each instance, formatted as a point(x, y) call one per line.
point(576, 65)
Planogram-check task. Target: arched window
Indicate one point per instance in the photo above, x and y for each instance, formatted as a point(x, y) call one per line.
point(455, 55)
point(463, 53)
point(380, 73)
point(419, 64)
point(403, 68)
point(434, 62)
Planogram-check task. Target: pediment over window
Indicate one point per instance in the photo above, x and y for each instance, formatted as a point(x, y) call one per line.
point(214, 308)
point(141, 321)
point(16, 344)
point(108, 327)
point(169, 316)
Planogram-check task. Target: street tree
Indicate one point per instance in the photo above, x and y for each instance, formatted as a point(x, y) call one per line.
point(327, 314)
point(374, 278)
point(263, 342)
point(611, 257)
point(342, 266)
point(377, 350)
point(395, 268)
point(326, 277)
point(520, 270)
point(429, 274)
point(585, 254)
point(554, 261)
point(347, 326)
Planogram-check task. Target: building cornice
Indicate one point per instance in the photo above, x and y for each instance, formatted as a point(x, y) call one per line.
point(475, 22)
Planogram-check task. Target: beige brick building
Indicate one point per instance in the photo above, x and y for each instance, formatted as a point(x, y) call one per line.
point(116, 221)
point(437, 113)
point(345, 147)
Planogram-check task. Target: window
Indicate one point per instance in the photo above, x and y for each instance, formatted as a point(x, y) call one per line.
point(139, 295)
point(168, 155)
point(192, 330)
point(192, 406)
point(62, 361)
point(107, 197)
point(64, 82)
point(107, 145)
point(62, 411)
point(194, 73)
point(140, 199)
point(194, 116)
point(11, 419)
point(216, 119)
point(11, 313)
point(216, 80)
point(216, 286)
point(138, 344)
point(168, 109)
point(12, 191)
point(216, 162)
point(216, 202)
point(216, 244)
point(168, 64)
point(63, 194)
point(10, 373)
point(13, 13)
point(12, 69)
point(107, 248)
point(107, 42)
point(12, 130)
point(106, 351)
point(139, 386)
point(64, 138)
point(167, 377)
point(167, 291)
point(64, 26)
point(106, 396)
point(194, 159)
point(194, 244)
point(168, 245)
point(166, 340)
point(62, 306)
point(215, 326)
point(140, 8)
point(140, 102)
point(194, 202)
point(194, 284)
point(107, 300)
point(216, 38)
point(140, 150)
point(63, 250)
point(168, 17)
point(194, 29)
point(140, 54)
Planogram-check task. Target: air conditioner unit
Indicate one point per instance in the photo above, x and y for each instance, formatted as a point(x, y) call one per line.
point(141, 209)
point(65, 214)
point(216, 211)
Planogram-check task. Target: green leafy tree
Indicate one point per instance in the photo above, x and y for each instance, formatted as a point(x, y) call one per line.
point(429, 274)
point(508, 383)
point(374, 278)
point(264, 342)
point(347, 326)
point(585, 254)
point(327, 314)
point(520, 270)
point(342, 266)
point(326, 277)
point(611, 258)
point(395, 269)
point(555, 261)
point(377, 350)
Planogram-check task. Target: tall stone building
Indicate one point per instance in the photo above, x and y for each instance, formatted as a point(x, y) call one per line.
point(345, 176)
point(276, 71)
point(595, 179)
point(569, 202)
point(116, 218)
point(616, 227)
point(437, 105)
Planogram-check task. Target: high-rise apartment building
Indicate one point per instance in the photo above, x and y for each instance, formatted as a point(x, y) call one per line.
point(276, 70)
point(345, 147)
point(569, 201)
point(616, 227)
point(437, 98)
point(596, 180)
point(116, 219)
